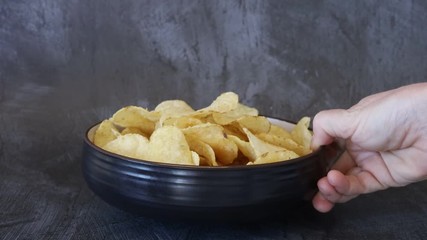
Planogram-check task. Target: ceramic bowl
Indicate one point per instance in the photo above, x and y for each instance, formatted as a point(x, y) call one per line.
point(232, 193)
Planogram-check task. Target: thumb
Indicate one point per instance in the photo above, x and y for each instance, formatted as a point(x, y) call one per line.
point(331, 124)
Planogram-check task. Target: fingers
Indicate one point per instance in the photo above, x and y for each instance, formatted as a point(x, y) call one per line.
point(327, 196)
point(339, 188)
point(328, 191)
point(321, 204)
point(359, 182)
point(345, 187)
point(331, 124)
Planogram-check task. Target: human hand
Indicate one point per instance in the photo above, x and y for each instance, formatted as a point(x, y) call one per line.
point(386, 142)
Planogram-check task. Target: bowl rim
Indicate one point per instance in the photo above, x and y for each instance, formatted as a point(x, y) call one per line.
point(204, 168)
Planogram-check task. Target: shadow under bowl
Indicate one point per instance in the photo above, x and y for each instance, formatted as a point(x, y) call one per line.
point(228, 193)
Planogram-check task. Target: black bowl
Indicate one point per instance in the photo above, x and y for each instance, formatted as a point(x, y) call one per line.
point(233, 193)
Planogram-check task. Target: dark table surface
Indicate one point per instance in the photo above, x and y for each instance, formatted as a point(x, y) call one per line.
point(65, 65)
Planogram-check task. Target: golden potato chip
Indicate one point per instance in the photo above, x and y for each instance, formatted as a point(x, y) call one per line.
point(207, 119)
point(182, 122)
point(201, 115)
point(203, 149)
point(196, 158)
point(286, 143)
point(203, 161)
point(168, 145)
point(225, 149)
point(105, 133)
point(153, 116)
point(230, 116)
point(133, 116)
point(133, 130)
point(130, 145)
point(223, 118)
point(174, 108)
point(244, 110)
point(235, 129)
point(301, 134)
point(224, 133)
point(260, 147)
point(255, 124)
point(223, 103)
point(245, 147)
point(240, 160)
point(275, 156)
point(279, 131)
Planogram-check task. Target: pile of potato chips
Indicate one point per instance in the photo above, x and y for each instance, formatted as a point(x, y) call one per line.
point(224, 133)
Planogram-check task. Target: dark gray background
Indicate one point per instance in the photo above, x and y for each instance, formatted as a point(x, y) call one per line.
point(66, 64)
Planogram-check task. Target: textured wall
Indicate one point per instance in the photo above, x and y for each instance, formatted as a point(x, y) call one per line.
point(65, 64)
point(287, 58)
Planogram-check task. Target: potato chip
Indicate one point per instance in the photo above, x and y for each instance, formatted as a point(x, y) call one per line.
point(153, 116)
point(235, 129)
point(240, 160)
point(203, 149)
point(135, 130)
point(237, 113)
point(168, 145)
point(130, 145)
point(174, 108)
point(133, 116)
point(207, 119)
point(245, 110)
point(225, 149)
point(275, 156)
point(224, 133)
point(203, 161)
point(279, 131)
point(201, 115)
point(286, 143)
point(255, 124)
point(105, 133)
point(182, 122)
point(244, 147)
point(196, 158)
point(301, 134)
point(223, 103)
point(260, 147)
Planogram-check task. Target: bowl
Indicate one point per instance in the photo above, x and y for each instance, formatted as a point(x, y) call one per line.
point(225, 193)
